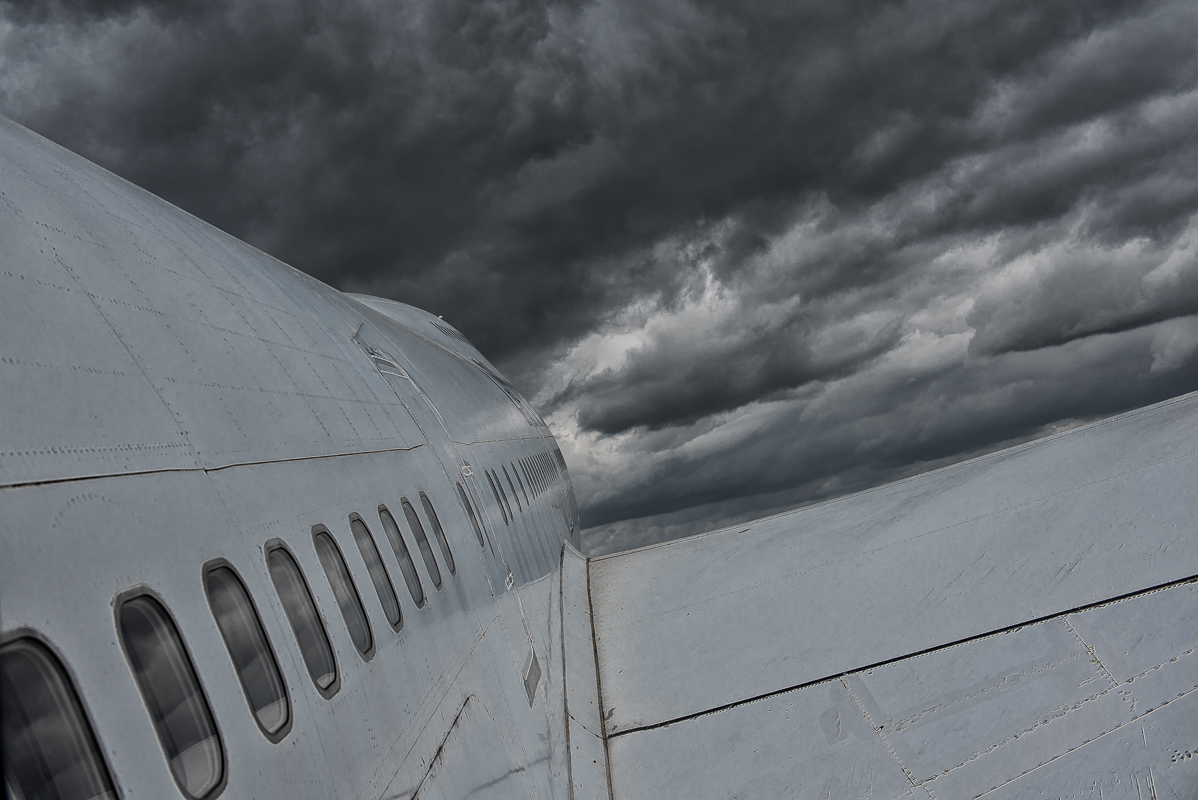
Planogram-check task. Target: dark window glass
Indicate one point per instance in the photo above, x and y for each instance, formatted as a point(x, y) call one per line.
point(520, 481)
point(512, 486)
point(536, 474)
point(478, 531)
point(438, 532)
point(378, 573)
point(248, 647)
point(173, 695)
point(526, 480)
point(344, 590)
point(426, 550)
point(495, 491)
point(403, 556)
point(539, 465)
point(302, 614)
point(49, 750)
point(503, 494)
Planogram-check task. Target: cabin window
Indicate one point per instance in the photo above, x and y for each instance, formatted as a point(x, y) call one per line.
point(172, 692)
point(438, 532)
point(344, 590)
point(530, 491)
point(406, 567)
point(426, 550)
point(49, 748)
point(478, 531)
point(304, 618)
point(512, 486)
point(536, 478)
point(503, 495)
point(378, 573)
point(249, 649)
point(495, 491)
point(520, 481)
point(539, 467)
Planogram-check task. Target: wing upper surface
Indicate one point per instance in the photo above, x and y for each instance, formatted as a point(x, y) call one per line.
point(730, 642)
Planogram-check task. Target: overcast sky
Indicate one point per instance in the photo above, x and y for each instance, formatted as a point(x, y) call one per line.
point(742, 255)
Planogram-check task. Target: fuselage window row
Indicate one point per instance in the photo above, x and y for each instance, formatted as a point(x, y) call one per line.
point(49, 745)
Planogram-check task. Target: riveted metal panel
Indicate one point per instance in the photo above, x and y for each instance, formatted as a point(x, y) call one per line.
point(1078, 518)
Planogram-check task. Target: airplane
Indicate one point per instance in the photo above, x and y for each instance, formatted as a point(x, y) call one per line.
point(264, 539)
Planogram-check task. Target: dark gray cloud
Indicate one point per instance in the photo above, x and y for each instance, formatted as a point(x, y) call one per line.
point(744, 255)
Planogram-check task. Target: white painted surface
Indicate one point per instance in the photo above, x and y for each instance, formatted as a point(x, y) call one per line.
point(173, 396)
point(1057, 524)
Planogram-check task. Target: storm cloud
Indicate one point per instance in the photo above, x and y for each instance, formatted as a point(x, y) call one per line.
point(743, 256)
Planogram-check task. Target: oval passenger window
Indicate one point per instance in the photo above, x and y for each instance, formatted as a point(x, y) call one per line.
point(539, 465)
point(531, 469)
point(438, 531)
point(173, 695)
point(405, 558)
point(249, 648)
point(378, 573)
point(478, 532)
point(344, 590)
point(515, 494)
point(495, 491)
point(426, 550)
point(503, 495)
point(302, 614)
point(49, 748)
point(520, 481)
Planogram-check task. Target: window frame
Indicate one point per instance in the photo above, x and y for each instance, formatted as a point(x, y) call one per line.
point(519, 480)
point(531, 471)
point(422, 601)
point(511, 484)
point(278, 544)
point(119, 602)
point(71, 678)
point(464, 498)
point(281, 733)
point(495, 492)
point(422, 544)
point(354, 594)
point(434, 521)
point(355, 516)
point(503, 494)
point(539, 467)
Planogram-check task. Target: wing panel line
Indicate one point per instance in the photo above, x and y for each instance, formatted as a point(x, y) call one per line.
point(840, 675)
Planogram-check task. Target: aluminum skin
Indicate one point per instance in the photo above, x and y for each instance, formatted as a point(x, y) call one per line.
point(173, 397)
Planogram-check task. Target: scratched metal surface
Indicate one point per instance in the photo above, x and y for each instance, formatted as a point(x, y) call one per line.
point(1067, 521)
point(1099, 704)
point(195, 349)
point(171, 396)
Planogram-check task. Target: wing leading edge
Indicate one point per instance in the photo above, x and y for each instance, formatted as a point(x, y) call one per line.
point(1023, 622)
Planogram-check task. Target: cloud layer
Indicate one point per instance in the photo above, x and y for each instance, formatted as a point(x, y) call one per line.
point(743, 255)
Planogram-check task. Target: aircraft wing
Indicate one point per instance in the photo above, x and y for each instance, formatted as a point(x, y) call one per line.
point(1023, 624)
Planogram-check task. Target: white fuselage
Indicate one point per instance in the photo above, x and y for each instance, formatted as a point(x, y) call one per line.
point(174, 400)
